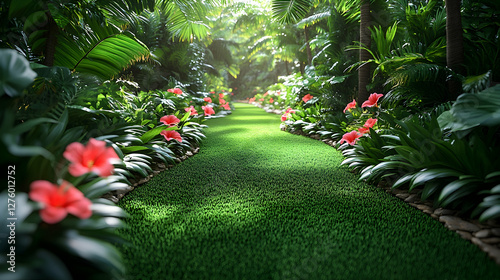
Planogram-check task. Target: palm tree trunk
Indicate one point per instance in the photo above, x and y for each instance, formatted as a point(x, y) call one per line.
point(308, 47)
point(50, 46)
point(454, 44)
point(365, 40)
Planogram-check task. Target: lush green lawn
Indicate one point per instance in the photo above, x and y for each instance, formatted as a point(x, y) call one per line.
point(259, 203)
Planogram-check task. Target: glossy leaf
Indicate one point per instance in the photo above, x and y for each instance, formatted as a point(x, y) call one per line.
point(15, 73)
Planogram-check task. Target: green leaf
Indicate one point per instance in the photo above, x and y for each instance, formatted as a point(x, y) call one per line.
point(403, 180)
point(15, 73)
point(290, 11)
point(99, 253)
point(492, 175)
point(146, 137)
point(131, 149)
point(491, 213)
point(185, 117)
point(104, 57)
point(430, 188)
point(425, 176)
point(99, 186)
point(457, 189)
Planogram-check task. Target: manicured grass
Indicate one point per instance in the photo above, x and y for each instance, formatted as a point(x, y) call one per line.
point(259, 203)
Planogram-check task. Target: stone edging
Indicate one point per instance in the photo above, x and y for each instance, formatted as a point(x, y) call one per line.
point(484, 235)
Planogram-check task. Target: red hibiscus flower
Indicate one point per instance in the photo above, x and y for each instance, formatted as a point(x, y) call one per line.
point(251, 100)
point(271, 100)
point(208, 110)
point(262, 99)
point(192, 110)
point(221, 95)
point(212, 92)
point(226, 106)
point(265, 94)
point(284, 117)
point(307, 97)
point(290, 110)
point(370, 122)
point(58, 201)
point(350, 137)
point(222, 101)
point(175, 90)
point(207, 99)
point(95, 157)
point(171, 134)
point(350, 105)
point(170, 120)
point(372, 100)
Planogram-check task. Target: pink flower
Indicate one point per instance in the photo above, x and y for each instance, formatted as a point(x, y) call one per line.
point(251, 100)
point(212, 92)
point(350, 137)
point(370, 123)
point(307, 97)
point(351, 105)
point(58, 201)
point(171, 134)
point(284, 117)
point(222, 101)
point(207, 99)
point(208, 110)
point(175, 90)
point(170, 120)
point(271, 100)
point(265, 94)
point(192, 110)
point(226, 106)
point(95, 157)
point(221, 95)
point(262, 99)
point(372, 100)
point(290, 110)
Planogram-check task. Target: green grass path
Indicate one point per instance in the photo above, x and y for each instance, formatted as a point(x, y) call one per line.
point(259, 203)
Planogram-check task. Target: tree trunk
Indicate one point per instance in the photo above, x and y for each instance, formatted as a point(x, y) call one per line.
point(308, 47)
point(50, 46)
point(454, 44)
point(365, 40)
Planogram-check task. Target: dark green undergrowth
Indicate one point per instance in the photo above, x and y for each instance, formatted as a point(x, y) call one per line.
point(259, 203)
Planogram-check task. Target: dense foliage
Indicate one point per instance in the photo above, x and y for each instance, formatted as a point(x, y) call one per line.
point(95, 96)
point(419, 134)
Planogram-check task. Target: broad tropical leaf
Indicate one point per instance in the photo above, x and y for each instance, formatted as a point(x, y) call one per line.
point(101, 56)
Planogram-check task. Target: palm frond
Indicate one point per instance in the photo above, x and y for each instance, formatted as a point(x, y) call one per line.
point(290, 11)
point(349, 9)
point(311, 20)
point(104, 56)
point(258, 45)
point(186, 20)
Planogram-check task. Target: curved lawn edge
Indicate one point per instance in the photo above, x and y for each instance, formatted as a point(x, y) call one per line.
point(484, 235)
point(260, 203)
